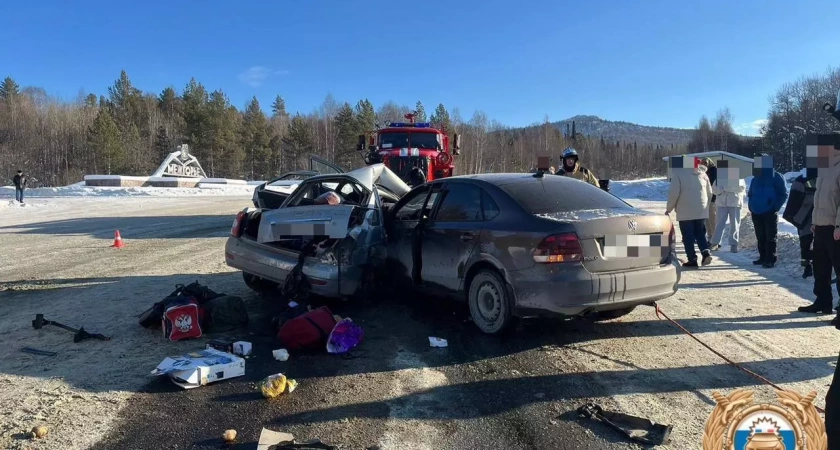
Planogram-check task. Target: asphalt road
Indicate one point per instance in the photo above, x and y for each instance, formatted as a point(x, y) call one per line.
point(395, 391)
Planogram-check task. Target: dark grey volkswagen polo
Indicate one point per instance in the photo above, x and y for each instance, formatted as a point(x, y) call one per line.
point(526, 245)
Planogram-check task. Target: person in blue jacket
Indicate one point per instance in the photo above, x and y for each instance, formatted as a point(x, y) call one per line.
point(767, 194)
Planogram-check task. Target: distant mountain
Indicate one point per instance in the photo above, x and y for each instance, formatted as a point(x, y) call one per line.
point(597, 127)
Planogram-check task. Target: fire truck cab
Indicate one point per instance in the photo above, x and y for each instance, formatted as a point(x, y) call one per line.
point(404, 146)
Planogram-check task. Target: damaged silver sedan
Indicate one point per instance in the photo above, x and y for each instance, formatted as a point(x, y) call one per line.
point(330, 230)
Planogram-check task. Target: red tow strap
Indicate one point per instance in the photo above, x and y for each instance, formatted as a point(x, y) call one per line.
point(733, 363)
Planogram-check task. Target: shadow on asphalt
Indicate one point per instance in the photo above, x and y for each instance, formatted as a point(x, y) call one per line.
point(333, 388)
point(145, 227)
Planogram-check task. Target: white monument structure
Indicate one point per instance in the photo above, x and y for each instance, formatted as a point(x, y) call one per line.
point(180, 163)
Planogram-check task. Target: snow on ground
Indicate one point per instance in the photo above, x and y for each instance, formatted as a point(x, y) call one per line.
point(655, 189)
point(80, 190)
point(635, 363)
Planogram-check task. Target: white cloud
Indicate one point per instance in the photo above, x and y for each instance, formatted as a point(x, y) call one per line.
point(255, 76)
point(751, 128)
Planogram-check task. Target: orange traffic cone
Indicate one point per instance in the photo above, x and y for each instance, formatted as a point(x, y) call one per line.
point(118, 243)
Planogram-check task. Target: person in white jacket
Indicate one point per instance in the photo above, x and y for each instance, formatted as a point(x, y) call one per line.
point(730, 198)
point(690, 195)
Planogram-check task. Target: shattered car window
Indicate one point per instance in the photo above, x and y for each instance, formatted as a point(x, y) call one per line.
point(411, 209)
point(350, 193)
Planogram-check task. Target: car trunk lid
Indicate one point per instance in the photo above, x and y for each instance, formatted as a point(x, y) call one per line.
point(619, 238)
point(332, 221)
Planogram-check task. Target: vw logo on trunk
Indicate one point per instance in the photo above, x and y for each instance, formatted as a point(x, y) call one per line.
point(631, 224)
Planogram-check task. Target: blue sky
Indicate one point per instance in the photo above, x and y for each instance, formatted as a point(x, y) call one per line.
point(653, 62)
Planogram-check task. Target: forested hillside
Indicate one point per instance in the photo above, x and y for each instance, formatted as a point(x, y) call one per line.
point(612, 130)
point(128, 131)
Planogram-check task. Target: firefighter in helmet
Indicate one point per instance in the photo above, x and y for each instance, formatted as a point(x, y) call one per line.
point(572, 168)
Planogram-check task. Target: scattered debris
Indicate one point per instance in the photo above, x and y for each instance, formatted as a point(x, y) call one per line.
point(220, 345)
point(81, 334)
point(437, 342)
point(275, 440)
point(277, 385)
point(636, 428)
point(229, 436)
point(194, 308)
point(311, 445)
point(200, 368)
point(309, 331)
point(344, 337)
point(281, 354)
point(242, 348)
point(35, 351)
point(39, 431)
point(270, 439)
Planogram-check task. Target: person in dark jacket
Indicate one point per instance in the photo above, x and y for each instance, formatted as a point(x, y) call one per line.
point(799, 210)
point(767, 194)
point(20, 182)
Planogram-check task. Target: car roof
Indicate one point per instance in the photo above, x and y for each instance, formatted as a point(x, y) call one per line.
point(503, 179)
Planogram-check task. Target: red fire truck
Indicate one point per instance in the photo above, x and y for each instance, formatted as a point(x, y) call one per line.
point(402, 146)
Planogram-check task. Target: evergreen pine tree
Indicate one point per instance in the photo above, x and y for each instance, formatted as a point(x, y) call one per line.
point(300, 139)
point(195, 100)
point(104, 140)
point(278, 108)
point(348, 132)
point(441, 118)
point(365, 116)
point(163, 145)
point(419, 112)
point(9, 89)
point(255, 139)
point(224, 152)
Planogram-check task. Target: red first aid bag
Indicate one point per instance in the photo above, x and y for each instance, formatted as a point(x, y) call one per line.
point(308, 331)
point(182, 320)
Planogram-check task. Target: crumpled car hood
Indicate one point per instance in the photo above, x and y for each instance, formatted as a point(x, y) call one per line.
point(382, 175)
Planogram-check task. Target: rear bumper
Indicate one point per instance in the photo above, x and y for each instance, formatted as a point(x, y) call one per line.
point(326, 280)
point(549, 290)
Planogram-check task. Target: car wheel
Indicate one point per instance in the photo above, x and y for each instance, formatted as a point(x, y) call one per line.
point(490, 302)
point(613, 314)
point(258, 284)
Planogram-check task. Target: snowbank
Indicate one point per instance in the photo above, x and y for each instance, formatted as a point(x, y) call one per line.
point(77, 190)
point(645, 189)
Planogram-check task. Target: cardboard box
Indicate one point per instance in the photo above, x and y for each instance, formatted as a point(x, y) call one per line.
point(220, 345)
point(241, 348)
point(200, 368)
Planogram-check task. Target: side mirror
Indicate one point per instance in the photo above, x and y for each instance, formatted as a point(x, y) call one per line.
point(456, 145)
point(362, 142)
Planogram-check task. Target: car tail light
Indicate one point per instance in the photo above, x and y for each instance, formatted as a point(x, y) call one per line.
point(672, 239)
point(236, 229)
point(559, 248)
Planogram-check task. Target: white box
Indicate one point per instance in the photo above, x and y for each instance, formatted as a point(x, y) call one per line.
point(242, 348)
point(200, 368)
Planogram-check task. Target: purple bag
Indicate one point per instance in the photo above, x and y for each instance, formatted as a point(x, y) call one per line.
point(344, 337)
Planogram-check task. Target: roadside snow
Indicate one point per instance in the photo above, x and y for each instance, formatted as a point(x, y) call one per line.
point(80, 190)
point(655, 189)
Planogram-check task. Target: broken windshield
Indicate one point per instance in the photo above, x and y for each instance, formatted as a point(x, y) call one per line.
point(410, 140)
